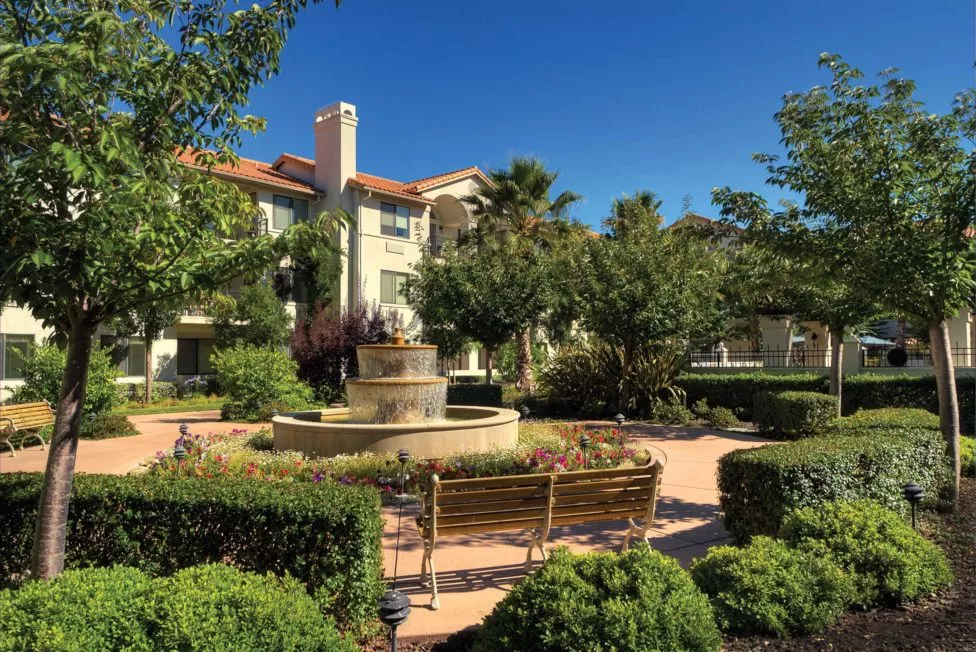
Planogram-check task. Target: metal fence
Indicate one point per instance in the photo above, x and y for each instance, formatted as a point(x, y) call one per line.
point(799, 357)
point(911, 357)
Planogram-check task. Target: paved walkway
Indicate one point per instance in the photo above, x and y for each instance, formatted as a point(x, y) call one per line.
point(124, 454)
point(473, 572)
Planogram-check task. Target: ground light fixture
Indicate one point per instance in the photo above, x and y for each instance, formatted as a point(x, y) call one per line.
point(395, 605)
point(914, 495)
point(619, 418)
point(584, 444)
point(525, 412)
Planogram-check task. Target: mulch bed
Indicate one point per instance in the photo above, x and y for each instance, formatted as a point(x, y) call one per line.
point(946, 622)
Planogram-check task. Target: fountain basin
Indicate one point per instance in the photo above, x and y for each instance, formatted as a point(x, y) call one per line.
point(397, 400)
point(327, 433)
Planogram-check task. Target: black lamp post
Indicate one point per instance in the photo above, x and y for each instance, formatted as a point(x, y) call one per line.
point(525, 412)
point(584, 444)
point(395, 605)
point(619, 418)
point(184, 430)
point(914, 495)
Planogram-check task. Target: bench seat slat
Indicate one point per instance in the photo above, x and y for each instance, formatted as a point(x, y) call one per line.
point(501, 526)
point(24, 407)
point(603, 485)
point(491, 506)
point(472, 484)
point(577, 519)
point(612, 510)
point(464, 497)
point(32, 423)
point(605, 474)
point(603, 497)
point(490, 517)
point(27, 416)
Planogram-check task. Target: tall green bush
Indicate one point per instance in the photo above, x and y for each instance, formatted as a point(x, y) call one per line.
point(758, 487)
point(770, 588)
point(791, 415)
point(44, 371)
point(890, 562)
point(257, 318)
point(325, 535)
point(202, 608)
point(252, 377)
point(638, 600)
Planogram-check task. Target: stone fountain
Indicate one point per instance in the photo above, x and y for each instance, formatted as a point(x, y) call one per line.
point(398, 401)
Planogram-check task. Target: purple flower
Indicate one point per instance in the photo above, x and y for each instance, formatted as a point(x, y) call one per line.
point(318, 477)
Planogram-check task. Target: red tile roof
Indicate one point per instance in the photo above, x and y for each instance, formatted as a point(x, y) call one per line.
point(251, 170)
point(421, 184)
point(398, 188)
point(294, 158)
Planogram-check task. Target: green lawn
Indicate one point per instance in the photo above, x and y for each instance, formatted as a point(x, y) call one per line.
point(189, 406)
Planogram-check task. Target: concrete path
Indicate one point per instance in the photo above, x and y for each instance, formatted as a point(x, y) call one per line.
point(473, 572)
point(124, 454)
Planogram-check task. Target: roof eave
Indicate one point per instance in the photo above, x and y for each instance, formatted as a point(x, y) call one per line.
point(392, 193)
point(310, 191)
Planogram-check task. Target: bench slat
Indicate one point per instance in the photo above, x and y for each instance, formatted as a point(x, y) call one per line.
point(487, 495)
point(23, 406)
point(605, 474)
point(490, 517)
point(491, 506)
point(23, 424)
point(611, 510)
point(472, 484)
point(604, 497)
point(602, 485)
point(578, 519)
point(526, 524)
point(35, 414)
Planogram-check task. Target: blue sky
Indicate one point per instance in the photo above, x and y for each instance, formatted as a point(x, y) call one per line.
point(673, 97)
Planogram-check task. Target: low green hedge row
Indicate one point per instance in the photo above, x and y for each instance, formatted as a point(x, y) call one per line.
point(212, 607)
point(760, 486)
point(792, 415)
point(861, 391)
point(475, 394)
point(161, 389)
point(887, 418)
point(637, 600)
point(324, 534)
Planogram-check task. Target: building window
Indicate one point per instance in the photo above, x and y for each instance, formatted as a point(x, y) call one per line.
point(394, 220)
point(14, 351)
point(128, 353)
point(288, 211)
point(193, 356)
point(392, 287)
point(482, 358)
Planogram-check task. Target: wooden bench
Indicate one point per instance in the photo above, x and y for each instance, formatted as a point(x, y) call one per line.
point(25, 416)
point(536, 503)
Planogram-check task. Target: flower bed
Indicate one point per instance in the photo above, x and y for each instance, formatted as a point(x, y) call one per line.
point(542, 448)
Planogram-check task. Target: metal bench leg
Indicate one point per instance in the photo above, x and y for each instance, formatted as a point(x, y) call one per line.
point(634, 530)
point(537, 542)
point(435, 602)
point(23, 442)
point(423, 569)
point(11, 446)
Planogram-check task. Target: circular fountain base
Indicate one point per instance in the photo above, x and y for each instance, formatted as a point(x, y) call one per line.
point(327, 433)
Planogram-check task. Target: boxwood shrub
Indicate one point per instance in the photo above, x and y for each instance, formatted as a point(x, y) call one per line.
point(737, 391)
point(474, 394)
point(325, 535)
point(890, 562)
point(791, 415)
point(638, 600)
point(212, 607)
point(770, 588)
point(887, 418)
point(758, 487)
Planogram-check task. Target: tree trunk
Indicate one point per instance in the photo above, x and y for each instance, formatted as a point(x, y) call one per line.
point(489, 355)
point(945, 382)
point(625, 380)
point(47, 556)
point(523, 361)
point(837, 365)
point(148, 371)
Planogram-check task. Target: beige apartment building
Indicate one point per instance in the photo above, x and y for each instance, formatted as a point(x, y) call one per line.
point(394, 221)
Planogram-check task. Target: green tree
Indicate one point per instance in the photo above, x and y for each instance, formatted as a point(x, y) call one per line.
point(892, 186)
point(148, 321)
point(99, 215)
point(486, 296)
point(646, 285)
point(519, 206)
point(256, 318)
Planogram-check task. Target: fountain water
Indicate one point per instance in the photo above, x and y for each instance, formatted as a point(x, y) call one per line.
point(398, 401)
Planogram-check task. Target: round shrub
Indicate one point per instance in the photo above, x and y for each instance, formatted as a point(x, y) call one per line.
point(770, 588)
point(217, 607)
point(107, 426)
point(792, 415)
point(890, 563)
point(81, 611)
point(252, 377)
point(638, 600)
point(44, 370)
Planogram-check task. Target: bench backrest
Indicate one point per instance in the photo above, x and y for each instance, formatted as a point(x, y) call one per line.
point(26, 416)
point(524, 502)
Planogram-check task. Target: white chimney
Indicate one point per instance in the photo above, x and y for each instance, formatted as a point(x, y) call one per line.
point(335, 153)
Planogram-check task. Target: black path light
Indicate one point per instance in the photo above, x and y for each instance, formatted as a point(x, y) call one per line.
point(619, 418)
point(914, 495)
point(184, 430)
point(395, 605)
point(584, 444)
point(525, 412)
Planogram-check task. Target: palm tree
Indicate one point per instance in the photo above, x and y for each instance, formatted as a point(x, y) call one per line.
point(519, 205)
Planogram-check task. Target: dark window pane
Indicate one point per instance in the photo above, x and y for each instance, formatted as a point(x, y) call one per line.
point(137, 358)
point(284, 213)
point(16, 348)
point(186, 357)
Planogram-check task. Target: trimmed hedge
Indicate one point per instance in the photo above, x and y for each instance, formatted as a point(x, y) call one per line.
point(890, 562)
point(759, 486)
point(770, 588)
point(325, 535)
point(637, 600)
point(737, 391)
point(792, 415)
point(887, 418)
point(475, 394)
point(213, 607)
point(161, 390)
